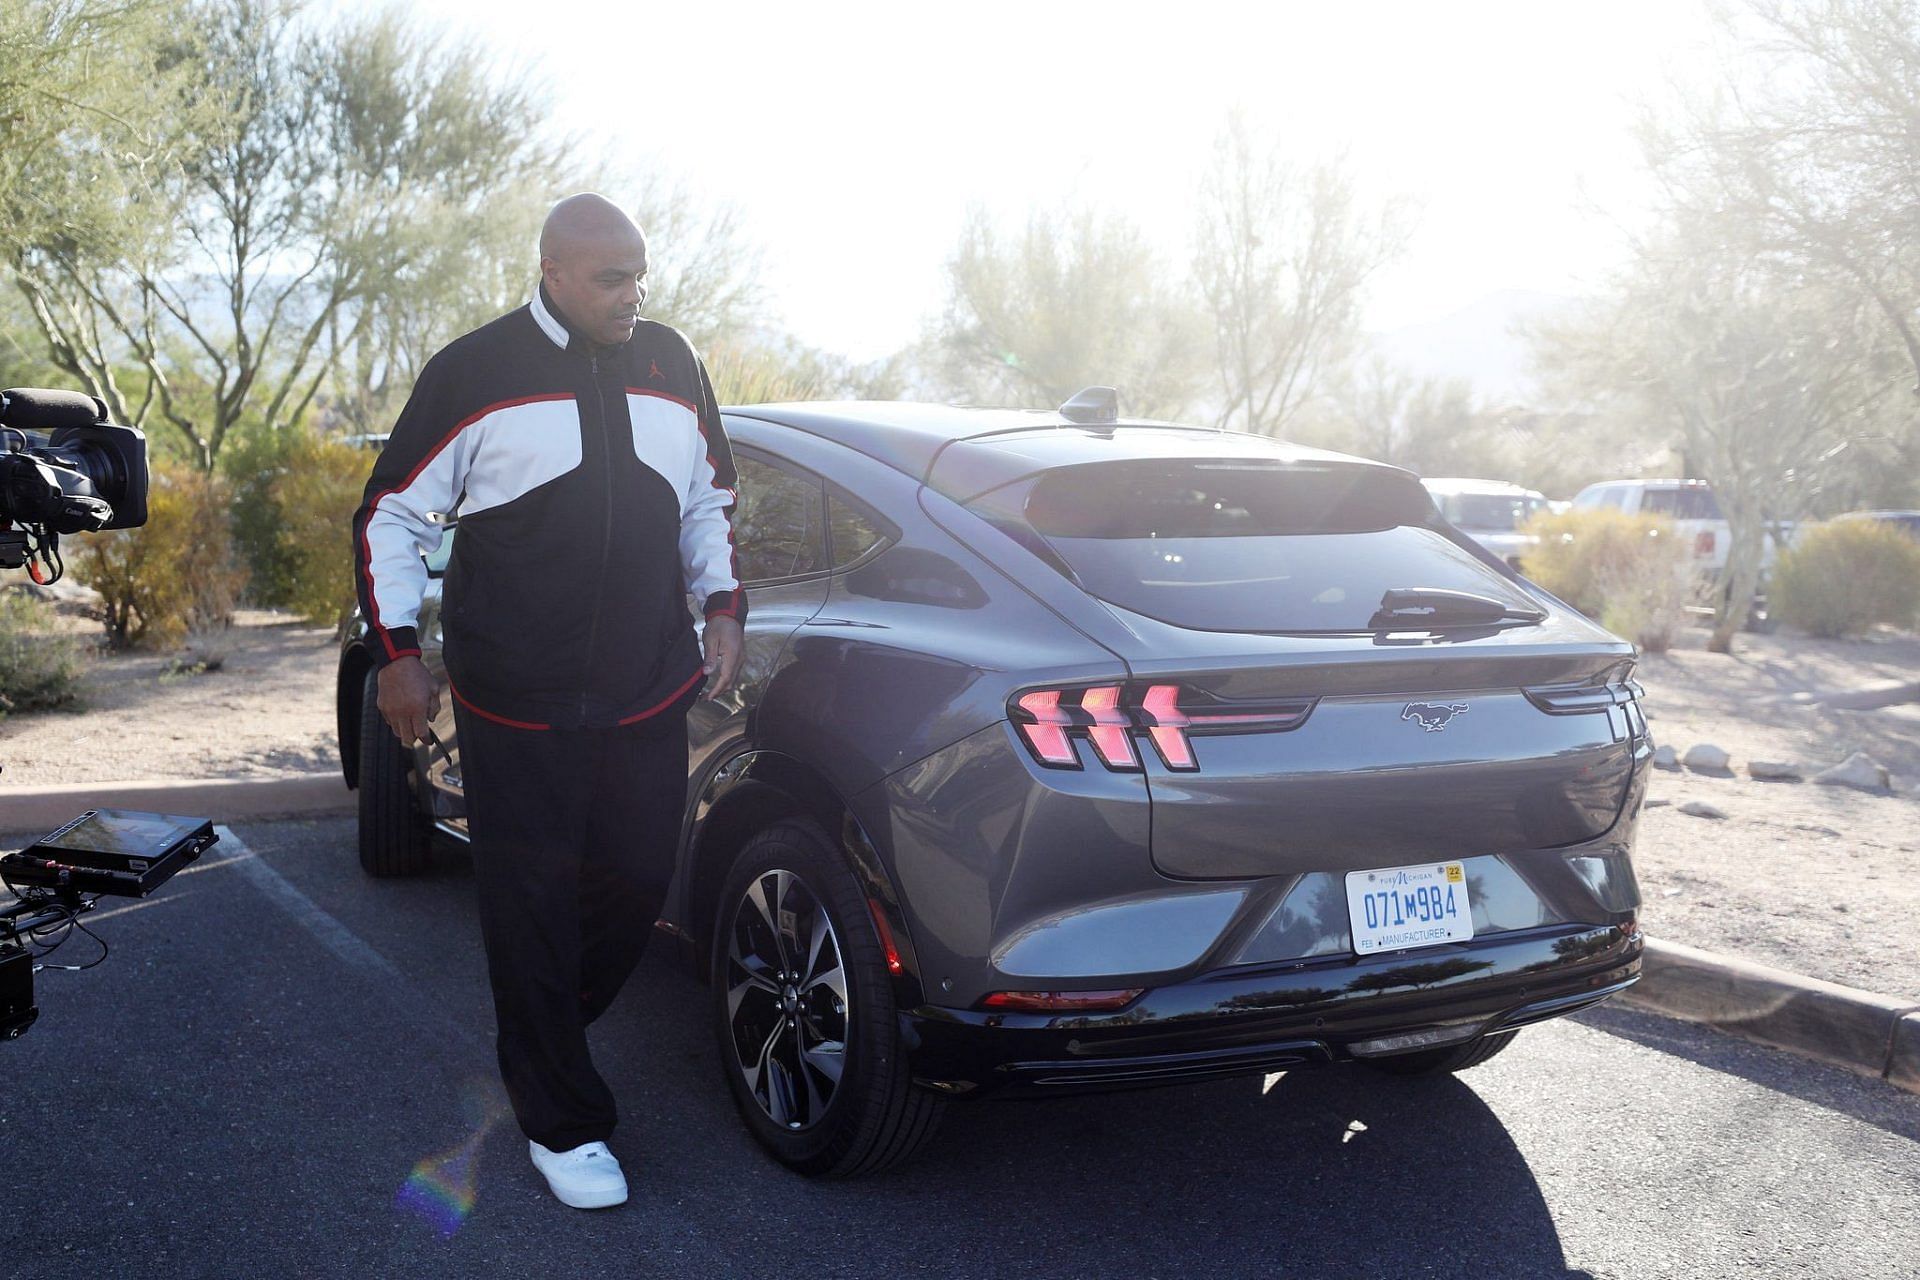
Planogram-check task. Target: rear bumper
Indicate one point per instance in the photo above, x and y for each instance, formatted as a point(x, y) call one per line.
point(1277, 1017)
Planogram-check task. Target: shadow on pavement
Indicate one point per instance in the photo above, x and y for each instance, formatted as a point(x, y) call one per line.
point(1332, 1172)
point(1335, 1172)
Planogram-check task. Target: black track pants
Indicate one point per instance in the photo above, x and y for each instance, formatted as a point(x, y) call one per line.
point(574, 833)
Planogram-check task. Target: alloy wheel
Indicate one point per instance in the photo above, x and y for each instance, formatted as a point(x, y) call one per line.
point(787, 1006)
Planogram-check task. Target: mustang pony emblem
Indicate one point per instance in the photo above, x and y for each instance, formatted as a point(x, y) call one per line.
point(1433, 716)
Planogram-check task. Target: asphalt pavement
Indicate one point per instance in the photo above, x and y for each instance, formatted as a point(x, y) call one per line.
point(286, 1069)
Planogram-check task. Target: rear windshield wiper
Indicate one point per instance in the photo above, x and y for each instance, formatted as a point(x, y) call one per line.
point(1407, 608)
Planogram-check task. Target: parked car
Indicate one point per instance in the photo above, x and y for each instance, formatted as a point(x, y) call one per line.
point(1490, 512)
point(1075, 754)
point(1695, 514)
point(1689, 504)
point(1907, 522)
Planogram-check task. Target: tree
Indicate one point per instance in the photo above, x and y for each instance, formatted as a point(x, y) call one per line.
point(292, 179)
point(1073, 300)
point(68, 130)
point(1283, 253)
point(1819, 149)
point(1427, 425)
point(1763, 377)
point(1810, 149)
point(703, 268)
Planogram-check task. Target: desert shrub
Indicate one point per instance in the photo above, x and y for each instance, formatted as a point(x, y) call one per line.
point(756, 375)
point(315, 496)
point(1629, 573)
point(252, 463)
point(39, 667)
point(177, 573)
point(1840, 578)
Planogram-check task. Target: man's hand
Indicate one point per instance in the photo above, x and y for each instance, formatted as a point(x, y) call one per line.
point(725, 646)
point(409, 699)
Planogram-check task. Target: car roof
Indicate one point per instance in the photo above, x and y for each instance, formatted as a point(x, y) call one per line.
point(1602, 484)
point(1461, 484)
point(910, 435)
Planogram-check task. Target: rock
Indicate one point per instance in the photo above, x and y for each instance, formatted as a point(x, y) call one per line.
point(1705, 756)
point(1701, 809)
point(1665, 758)
point(1859, 770)
point(1774, 771)
point(1655, 804)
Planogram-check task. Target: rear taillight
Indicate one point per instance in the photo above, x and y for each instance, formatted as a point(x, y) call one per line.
point(1050, 721)
point(1703, 543)
point(1043, 725)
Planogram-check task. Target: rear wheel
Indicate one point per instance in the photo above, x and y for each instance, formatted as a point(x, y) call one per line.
point(804, 1012)
point(395, 838)
point(1440, 1062)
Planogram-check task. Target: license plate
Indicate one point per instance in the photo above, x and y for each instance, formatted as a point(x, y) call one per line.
point(1399, 907)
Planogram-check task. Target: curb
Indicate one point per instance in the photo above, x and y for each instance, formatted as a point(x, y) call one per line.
point(1861, 1031)
point(224, 799)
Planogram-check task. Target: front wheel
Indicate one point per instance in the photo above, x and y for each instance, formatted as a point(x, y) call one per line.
point(395, 838)
point(1442, 1062)
point(804, 1012)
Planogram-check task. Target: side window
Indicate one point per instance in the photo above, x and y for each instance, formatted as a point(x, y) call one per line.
point(1588, 499)
point(1658, 501)
point(1616, 497)
point(852, 530)
point(777, 524)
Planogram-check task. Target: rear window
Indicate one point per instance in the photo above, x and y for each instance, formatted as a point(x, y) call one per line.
point(1237, 546)
point(1691, 503)
point(1488, 511)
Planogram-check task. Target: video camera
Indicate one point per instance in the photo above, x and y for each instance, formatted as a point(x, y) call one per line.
point(64, 469)
point(59, 877)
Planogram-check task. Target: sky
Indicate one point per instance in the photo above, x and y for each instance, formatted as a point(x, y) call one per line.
point(854, 137)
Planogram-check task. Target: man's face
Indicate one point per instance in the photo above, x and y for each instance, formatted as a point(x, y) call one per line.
point(599, 284)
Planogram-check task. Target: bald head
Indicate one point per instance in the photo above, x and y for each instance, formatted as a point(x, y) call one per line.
point(593, 260)
point(583, 219)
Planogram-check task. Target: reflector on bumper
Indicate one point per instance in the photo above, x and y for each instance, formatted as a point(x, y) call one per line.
point(1405, 1042)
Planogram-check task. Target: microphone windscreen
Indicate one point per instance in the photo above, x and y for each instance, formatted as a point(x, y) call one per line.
point(43, 409)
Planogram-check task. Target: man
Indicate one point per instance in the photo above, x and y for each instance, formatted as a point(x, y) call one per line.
point(581, 448)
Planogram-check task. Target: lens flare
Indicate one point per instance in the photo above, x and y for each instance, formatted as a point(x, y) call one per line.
point(442, 1188)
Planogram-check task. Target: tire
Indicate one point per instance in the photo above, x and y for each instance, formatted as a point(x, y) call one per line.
point(777, 1034)
point(395, 837)
point(1442, 1062)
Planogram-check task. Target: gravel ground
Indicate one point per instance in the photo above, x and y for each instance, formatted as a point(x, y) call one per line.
point(267, 710)
point(1821, 880)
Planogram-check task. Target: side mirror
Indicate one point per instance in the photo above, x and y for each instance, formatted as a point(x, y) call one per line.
point(436, 560)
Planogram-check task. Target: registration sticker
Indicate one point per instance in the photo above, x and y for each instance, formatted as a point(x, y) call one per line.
point(1399, 907)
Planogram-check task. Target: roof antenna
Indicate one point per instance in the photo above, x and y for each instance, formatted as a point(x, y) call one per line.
point(1093, 406)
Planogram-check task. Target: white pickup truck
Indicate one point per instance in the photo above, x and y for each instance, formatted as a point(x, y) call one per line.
point(1689, 504)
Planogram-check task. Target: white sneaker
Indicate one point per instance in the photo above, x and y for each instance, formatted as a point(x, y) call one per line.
point(587, 1177)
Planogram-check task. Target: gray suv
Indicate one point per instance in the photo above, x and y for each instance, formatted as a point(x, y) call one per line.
point(1073, 754)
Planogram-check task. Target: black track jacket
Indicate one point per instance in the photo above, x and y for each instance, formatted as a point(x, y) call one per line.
point(594, 488)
